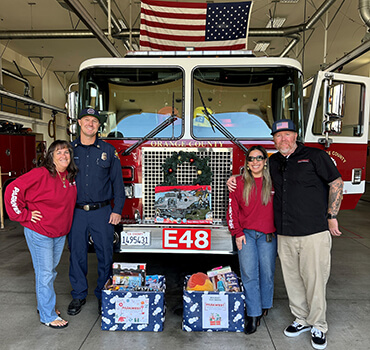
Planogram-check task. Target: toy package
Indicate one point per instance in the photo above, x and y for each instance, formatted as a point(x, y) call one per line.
point(129, 275)
point(223, 279)
point(183, 204)
point(132, 277)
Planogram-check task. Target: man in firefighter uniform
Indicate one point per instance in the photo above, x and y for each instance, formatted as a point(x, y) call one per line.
point(99, 180)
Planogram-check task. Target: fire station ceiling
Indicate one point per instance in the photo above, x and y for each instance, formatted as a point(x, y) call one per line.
point(60, 34)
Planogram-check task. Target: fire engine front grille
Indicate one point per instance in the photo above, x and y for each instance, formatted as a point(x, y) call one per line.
point(220, 161)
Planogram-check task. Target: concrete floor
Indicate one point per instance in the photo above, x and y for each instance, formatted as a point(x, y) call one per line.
point(348, 298)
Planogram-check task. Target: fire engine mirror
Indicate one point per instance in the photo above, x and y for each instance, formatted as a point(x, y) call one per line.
point(335, 100)
point(333, 126)
point(73, 105)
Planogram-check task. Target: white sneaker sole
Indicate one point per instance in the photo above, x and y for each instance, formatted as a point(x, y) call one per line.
point(318, 346)
point(296, 334)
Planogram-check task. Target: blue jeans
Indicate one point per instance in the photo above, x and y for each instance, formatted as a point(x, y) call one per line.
point(46, 253)
point(257, 268)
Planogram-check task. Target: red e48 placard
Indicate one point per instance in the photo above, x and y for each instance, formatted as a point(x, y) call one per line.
point(186, 238)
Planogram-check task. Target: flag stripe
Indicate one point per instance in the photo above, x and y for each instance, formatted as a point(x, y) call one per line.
point(198, 44)
point(169, 25)
point(180, 37)
point(145, 45)
point(175, 5)
point(173, 14)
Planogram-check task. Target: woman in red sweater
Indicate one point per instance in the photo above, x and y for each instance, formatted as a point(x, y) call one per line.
point(251, 220)
point(43, 201)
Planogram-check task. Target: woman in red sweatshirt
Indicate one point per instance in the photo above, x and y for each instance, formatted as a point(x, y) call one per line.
point(43, 201)
point(251, 220)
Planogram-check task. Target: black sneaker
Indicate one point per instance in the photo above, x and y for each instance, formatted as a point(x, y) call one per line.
point(295, 329)
point(75, 306)
point(318, 339)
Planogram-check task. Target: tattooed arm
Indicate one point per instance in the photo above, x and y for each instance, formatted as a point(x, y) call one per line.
point(335, 198)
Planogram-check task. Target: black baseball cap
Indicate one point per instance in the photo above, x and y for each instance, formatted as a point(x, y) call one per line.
point(90, 112)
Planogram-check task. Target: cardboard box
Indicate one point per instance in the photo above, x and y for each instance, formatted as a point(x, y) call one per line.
point(213, 311)
point(183, 204)
point(128, 310)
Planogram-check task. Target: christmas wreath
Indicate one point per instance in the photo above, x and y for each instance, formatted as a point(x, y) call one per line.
point(204, 173)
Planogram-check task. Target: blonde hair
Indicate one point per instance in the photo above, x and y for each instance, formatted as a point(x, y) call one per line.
point(249, 183)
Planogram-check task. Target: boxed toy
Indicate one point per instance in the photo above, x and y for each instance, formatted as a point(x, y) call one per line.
point(213, 311)
point(223, 279)
point(130, 275)
point(183, 204)
point(138, 309)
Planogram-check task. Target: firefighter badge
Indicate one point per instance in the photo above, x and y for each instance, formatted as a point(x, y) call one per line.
point(104, 156)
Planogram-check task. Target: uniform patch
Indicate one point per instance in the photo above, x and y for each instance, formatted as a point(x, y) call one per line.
point(104, 156)
point(303, 161)
point(116, 154)
point(282, 125)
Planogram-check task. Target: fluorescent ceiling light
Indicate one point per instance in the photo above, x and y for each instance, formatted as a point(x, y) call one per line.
point(261, 46)
point(289, 1)
point(123, 25)
point(275, 22)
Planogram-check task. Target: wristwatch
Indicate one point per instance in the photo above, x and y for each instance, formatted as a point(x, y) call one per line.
point(331, 216)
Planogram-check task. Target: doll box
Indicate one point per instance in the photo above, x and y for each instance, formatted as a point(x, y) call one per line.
point(213, 311)
point(129, 310)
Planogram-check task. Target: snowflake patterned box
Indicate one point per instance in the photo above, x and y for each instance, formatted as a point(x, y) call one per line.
point(213, 311)
point(183, 204)
point(131, 310)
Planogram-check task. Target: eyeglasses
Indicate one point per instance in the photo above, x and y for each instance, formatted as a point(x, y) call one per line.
point(258, 158)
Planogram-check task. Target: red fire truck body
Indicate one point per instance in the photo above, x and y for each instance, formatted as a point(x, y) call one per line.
point(216, 105)
point(17, 155)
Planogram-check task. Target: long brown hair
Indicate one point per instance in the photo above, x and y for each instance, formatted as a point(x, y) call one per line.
point(249, 183)
point(48, 162)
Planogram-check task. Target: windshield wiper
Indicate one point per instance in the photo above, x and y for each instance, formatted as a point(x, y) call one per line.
point(170, 120)
point(214, 122)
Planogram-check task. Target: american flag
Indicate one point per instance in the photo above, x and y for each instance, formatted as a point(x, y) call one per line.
point(180, 25)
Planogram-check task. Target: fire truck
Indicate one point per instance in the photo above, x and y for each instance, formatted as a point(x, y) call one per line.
point(17, 153)
point(216, 105)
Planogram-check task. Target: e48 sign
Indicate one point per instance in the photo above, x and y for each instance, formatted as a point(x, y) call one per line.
point(185, 238)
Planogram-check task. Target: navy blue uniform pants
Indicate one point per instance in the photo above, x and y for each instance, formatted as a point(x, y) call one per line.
point(96, 223)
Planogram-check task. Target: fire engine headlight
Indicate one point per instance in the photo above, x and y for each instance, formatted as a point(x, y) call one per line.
point(137, 216)
point(73, 128)
point(129, 191)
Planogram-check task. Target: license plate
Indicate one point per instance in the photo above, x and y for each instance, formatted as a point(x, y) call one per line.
point(135, 238)
point(186, 238)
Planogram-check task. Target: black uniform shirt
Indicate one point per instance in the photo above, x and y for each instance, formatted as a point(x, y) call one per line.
point(301, 190)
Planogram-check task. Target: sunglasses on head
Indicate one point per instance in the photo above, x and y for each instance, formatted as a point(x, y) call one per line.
point(258, 158)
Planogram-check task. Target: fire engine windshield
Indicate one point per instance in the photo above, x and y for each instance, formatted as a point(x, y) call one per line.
point(135, 100)
point(245, 100)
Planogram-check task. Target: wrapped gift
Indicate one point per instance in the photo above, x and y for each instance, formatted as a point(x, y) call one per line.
point(213, 311)
point(138, 309)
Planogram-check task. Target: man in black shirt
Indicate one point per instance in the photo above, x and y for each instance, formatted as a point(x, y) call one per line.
point(308, 192)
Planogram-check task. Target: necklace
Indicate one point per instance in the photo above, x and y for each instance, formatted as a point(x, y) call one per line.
point(62, 179)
